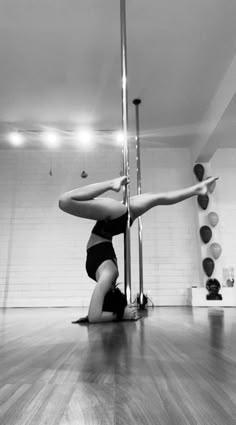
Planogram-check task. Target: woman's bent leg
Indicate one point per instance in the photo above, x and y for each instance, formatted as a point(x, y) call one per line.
point(143, 203)
point(96, 209)
point(91, 191)
point(82, 202)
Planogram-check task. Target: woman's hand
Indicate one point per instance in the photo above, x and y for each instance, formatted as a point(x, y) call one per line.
point(130, 313)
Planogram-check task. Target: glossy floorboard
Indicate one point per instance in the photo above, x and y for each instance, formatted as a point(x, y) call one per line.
point(174, 366)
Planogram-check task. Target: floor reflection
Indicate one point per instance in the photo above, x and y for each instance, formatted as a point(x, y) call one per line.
point(216, 326)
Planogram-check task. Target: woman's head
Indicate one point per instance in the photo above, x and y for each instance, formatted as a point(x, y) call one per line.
point(115, 301)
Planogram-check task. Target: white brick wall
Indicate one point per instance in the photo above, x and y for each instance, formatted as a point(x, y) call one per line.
point(42, 252)
point(224, 165)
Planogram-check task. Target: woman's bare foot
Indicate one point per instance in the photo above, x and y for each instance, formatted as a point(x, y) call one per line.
point(202, 188)
point(118, 182)
point(130, 313)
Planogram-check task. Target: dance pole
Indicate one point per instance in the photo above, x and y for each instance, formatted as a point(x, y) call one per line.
point(137, 102)
point(126, 193)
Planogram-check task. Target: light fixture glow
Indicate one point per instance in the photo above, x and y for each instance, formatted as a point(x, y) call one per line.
point(51, 138)
point(16, 138)
point(84, 136)
point(120, 138)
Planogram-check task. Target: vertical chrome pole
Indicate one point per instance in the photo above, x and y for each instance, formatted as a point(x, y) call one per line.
point(137, 102)
point(126, 194)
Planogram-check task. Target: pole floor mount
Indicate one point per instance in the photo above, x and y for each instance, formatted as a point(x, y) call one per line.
point(142, 300)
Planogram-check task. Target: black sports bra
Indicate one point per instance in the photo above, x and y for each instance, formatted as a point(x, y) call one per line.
point(109, 228)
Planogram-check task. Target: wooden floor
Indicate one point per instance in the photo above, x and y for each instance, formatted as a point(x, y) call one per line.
point(174, 366)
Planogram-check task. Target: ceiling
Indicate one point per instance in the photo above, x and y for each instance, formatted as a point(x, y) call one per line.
point(60, 64)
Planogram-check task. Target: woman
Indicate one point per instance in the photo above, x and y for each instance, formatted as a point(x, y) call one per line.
point(111, 217)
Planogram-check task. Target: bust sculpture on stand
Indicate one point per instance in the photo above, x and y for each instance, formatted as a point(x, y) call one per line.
point(213, 286)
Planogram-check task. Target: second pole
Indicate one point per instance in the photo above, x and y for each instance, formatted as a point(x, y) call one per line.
point(126, 168)
point(141, 297)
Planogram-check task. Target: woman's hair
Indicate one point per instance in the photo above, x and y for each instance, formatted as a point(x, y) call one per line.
point(115, 301)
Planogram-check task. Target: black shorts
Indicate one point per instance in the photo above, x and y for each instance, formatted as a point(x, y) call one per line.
point(96, 255)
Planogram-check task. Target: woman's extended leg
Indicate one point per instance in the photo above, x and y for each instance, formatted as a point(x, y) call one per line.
point(142, 203)
point(83, 202)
